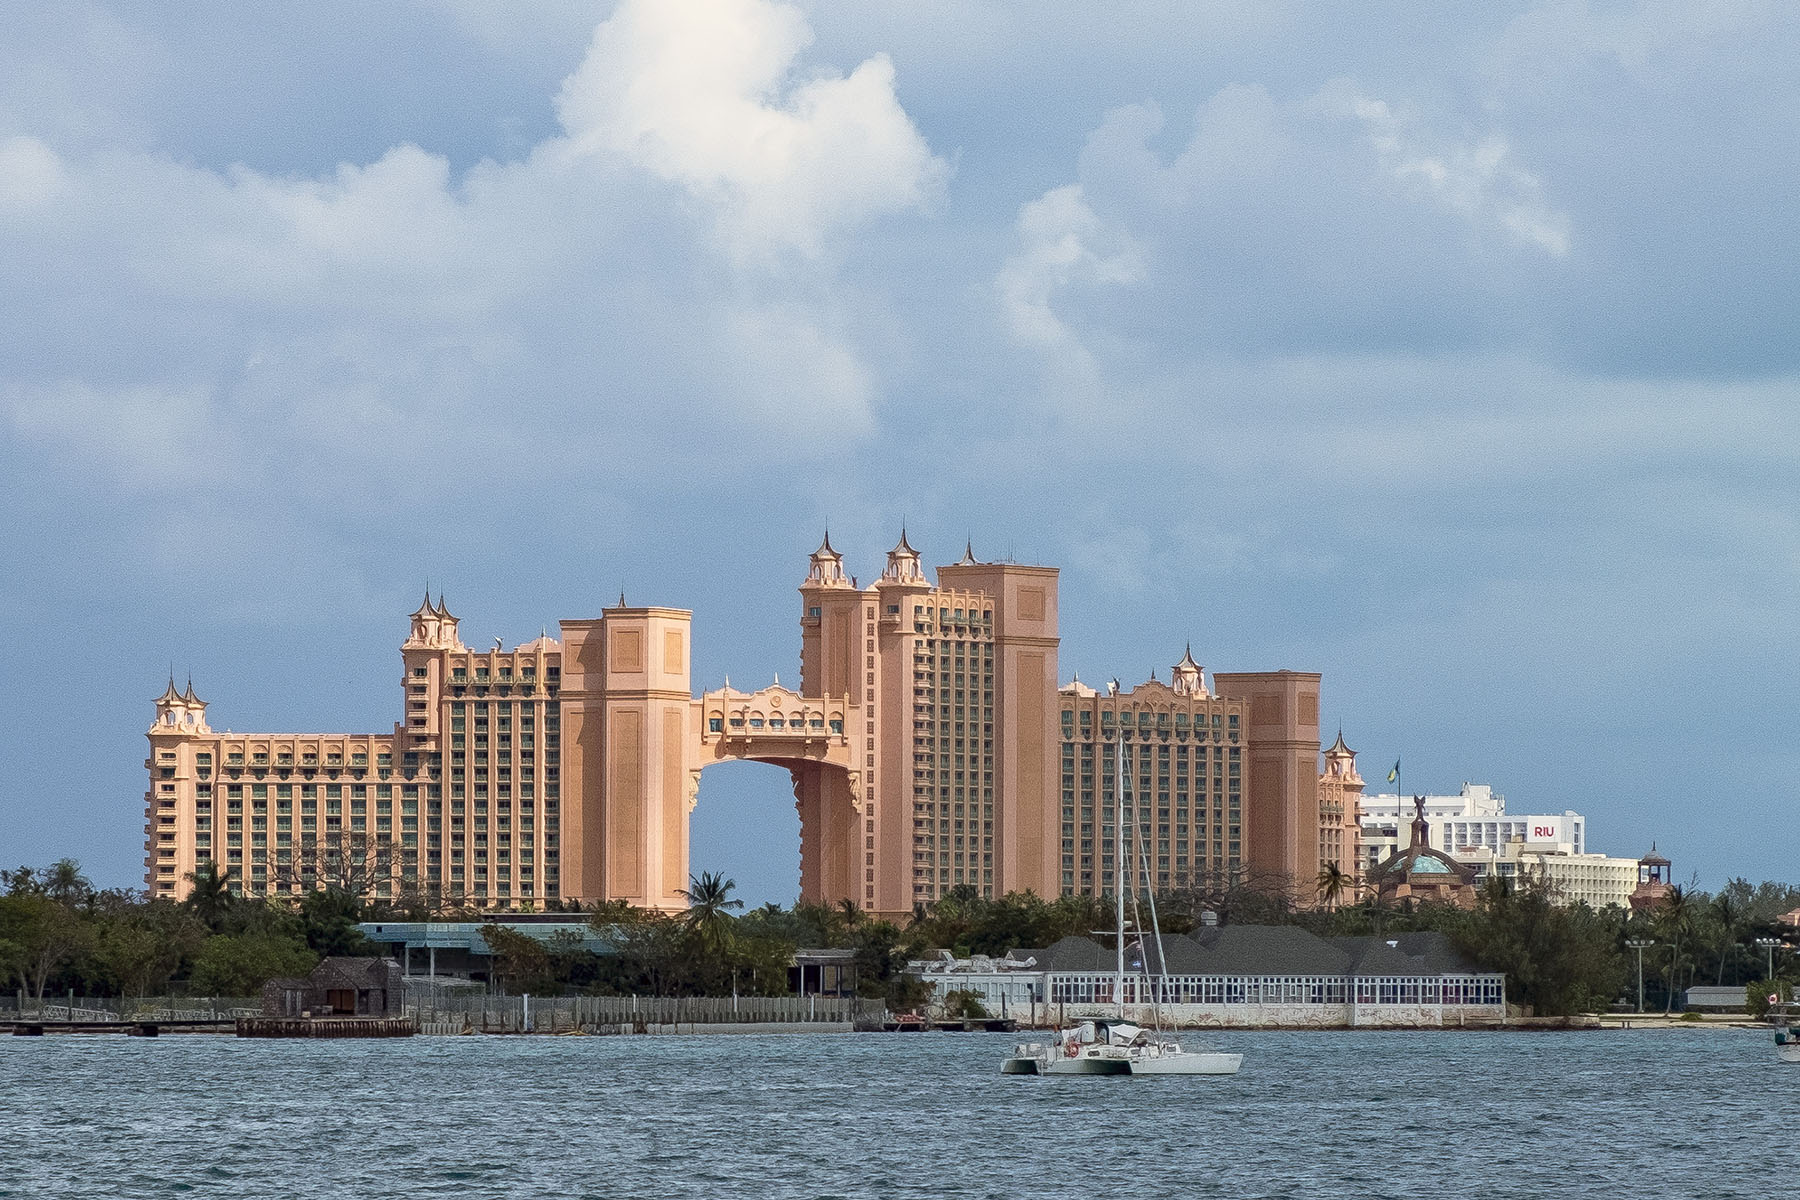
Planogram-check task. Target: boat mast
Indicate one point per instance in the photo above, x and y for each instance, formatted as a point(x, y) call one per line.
point(1162, 963)
point(1112, 689)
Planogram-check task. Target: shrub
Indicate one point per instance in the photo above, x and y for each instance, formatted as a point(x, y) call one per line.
point(963, 1004)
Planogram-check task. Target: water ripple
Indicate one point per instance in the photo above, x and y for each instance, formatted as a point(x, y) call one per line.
point(1660, 1115)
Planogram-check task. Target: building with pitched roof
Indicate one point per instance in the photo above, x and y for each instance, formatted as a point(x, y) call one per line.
point(1235, 976)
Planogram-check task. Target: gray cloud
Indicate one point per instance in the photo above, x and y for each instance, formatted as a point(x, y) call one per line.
point(1448, 353)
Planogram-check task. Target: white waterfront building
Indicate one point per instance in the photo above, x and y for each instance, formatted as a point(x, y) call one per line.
point(1235, 976)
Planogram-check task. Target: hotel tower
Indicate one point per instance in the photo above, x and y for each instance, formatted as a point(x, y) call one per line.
point(928, 744)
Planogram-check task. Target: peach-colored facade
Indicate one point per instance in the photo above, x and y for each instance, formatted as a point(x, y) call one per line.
point(1340, 812)
point(923, 744)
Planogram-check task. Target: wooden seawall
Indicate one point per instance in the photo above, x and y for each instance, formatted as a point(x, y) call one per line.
point(325, 1027)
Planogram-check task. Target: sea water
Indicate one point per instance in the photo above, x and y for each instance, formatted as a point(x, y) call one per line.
point(1642, 1113)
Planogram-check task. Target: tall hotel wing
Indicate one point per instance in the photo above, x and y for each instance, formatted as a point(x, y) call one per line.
point(928, 744)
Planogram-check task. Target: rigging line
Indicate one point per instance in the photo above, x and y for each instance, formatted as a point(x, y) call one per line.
point(1162, 964)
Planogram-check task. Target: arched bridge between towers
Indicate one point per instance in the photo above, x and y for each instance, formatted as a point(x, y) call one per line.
point(812, 737)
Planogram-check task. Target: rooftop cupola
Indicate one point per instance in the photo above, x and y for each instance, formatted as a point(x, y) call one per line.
point(180, 712)
point(968, 559)
point(446, 624)
point(433, 627)
point(903, 563)
point(827, 567)
point(1188, 677)
point(1340, 761)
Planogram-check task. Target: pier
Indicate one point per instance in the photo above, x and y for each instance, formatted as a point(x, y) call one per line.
point(148, 1028)
point(326, 1027)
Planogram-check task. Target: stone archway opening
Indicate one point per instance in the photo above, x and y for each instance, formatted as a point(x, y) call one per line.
point(746, 828)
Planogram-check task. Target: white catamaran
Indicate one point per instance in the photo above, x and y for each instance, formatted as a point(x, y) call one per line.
point(1121, 1047)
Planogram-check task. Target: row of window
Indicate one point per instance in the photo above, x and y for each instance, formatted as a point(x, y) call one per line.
point(1274, 989)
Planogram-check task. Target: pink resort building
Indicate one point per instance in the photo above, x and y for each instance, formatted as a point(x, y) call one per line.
point(928, 743)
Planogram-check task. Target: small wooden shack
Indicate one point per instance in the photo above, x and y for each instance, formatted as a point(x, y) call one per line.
point(339, 987)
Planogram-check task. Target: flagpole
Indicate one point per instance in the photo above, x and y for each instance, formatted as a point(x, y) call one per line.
point(1399, 802)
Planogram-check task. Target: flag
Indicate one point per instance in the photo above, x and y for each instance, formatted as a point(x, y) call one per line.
point(1395, 773)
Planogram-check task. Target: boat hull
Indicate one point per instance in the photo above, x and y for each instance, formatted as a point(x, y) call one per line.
point(1188, 1064)
point(1088, 1065)
point(1019, 1066)
point(1788, 1052)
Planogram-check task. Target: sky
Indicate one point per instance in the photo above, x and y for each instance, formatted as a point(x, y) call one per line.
point(1447, 350)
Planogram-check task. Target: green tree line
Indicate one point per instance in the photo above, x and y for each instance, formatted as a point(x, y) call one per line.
point(58, 933)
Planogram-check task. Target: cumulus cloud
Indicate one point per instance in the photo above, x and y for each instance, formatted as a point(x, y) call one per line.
point(1456, 318)
point(701, 92)
point(384, 312)
point(1477, 179)
point(1061, 242)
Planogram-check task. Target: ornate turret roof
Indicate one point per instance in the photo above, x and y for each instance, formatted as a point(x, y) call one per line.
point(188, 696)
point(968, 559)
point(170, 694)
point(903, 563)
point(1653, 859)
point(827, 569)
point(425, 608)
point(443, 610)
point(1338, 747)
point(1187, 675)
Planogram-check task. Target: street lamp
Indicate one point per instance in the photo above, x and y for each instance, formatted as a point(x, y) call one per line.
point(1768, 944)
point(1640, 945)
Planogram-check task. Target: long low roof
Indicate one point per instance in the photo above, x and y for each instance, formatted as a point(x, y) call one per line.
point(1270, 950)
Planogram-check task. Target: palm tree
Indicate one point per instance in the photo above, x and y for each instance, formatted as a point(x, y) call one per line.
point(708, 918)
point(211, 896)
point(64, 882)
point(853, 916)
point(1332, 883)
point(1730, 916)
point(1675, 917)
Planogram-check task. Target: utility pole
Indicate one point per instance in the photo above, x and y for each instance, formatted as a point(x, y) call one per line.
point(1768, 944)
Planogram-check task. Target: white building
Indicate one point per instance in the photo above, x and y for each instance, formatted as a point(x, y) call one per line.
point(1236, 976)
point(1594, 879)
point(1462, 825)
